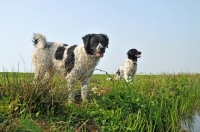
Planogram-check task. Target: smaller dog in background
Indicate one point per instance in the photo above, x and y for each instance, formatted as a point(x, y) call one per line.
point(129, 67)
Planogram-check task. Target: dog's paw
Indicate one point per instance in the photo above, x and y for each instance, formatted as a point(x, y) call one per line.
point(94, 90)
point(108, 79)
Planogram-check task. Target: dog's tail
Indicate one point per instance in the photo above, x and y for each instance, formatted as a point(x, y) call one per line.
point(39, 40)
point(117, 74)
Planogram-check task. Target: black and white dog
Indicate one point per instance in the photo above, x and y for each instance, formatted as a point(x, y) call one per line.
point(129, 67)
point(74, 63)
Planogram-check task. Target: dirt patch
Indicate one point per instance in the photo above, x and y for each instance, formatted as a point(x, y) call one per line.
point(89, 126)
point(78, 99)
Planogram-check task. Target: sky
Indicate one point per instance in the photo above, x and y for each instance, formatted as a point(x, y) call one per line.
point(166, 32)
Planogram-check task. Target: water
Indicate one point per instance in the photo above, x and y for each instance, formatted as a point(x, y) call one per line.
point(197, 124)
point(192, 124)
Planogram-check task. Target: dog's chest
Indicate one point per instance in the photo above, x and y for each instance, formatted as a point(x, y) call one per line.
point(134, 65)
point(86, 64)
point(129, 64)
point(84, 67)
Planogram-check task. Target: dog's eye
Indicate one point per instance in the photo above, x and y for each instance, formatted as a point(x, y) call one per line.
point(94, 43)
point(102, 42)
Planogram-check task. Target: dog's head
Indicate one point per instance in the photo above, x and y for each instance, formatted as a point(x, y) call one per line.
point(95, 44)
point(133, 54)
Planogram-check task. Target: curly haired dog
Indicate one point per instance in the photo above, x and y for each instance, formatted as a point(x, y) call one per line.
point(74, 63)
point(129, 67)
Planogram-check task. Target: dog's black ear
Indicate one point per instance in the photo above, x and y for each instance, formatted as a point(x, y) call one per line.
point(86, 41)
point(130, 54)
point(106, 39)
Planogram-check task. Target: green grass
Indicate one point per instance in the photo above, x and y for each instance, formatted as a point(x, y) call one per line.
point(150, 103)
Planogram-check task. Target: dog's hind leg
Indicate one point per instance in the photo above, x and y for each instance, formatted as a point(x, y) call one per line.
point(38, 75)
point(48, 75)
point(42, 74)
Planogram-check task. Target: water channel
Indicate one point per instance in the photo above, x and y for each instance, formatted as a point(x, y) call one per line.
point(192, 124)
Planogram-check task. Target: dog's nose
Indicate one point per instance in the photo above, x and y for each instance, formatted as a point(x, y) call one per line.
point(102, 50)
point(139, 52)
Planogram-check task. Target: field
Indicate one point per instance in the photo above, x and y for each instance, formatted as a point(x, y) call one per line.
point(151, 103)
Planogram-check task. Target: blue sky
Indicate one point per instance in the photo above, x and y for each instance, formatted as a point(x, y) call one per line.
point(166, 32)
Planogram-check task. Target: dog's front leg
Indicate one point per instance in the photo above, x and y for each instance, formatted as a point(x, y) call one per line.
point(84, 89)
point(126, 77)
point(71, 96)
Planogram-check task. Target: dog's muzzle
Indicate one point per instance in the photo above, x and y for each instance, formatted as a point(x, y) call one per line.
point(138, 55)
point(100, 51)
point(100, 55)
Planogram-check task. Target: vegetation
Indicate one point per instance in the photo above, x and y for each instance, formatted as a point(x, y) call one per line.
point(151, 103)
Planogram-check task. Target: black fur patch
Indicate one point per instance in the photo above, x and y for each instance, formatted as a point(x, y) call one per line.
point(59, 53)
point(70, 60)
point(35, 41)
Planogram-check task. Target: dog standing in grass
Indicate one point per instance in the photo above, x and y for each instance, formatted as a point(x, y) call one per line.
point(74, 63)
point(129, 67)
